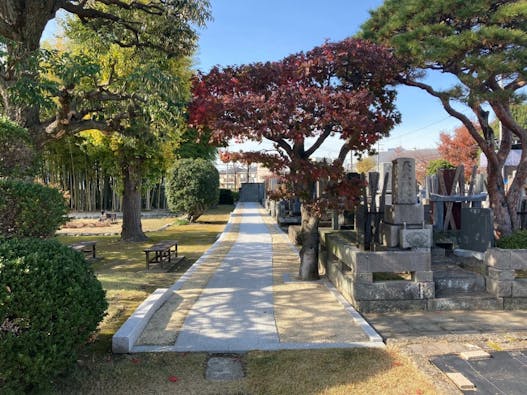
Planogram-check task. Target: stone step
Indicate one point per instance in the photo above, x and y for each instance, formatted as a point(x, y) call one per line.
point(450, 278)
point(465, 301)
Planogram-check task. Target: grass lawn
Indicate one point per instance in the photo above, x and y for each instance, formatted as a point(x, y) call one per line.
point(121, 269)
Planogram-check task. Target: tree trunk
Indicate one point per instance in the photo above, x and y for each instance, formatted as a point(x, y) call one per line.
point(309, 252)
point(148, 206)
point(132, 229)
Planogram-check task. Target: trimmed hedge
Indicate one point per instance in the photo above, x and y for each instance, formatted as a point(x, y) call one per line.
point(226, 197)
point(30, 210)
point(50, 303)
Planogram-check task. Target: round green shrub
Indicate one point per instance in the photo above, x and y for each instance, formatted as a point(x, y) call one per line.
point(50, 303)
point(193, 187)
point(30, 210)
point(517, 240)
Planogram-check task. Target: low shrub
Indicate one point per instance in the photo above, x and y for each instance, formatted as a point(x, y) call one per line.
point(226, 196)
point(30, 210)
point(50, 303)
point(517, 240)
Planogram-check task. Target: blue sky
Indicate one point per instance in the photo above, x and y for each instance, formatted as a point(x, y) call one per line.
point(245, 31)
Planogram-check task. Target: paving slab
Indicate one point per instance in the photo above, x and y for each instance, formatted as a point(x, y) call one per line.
point(406, 325)
point(224, 367)
point(235, 311)
point(504, 373)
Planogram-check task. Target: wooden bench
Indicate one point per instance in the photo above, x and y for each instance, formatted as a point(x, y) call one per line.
point(163, 251)
point(111, 217)
point(88, 247)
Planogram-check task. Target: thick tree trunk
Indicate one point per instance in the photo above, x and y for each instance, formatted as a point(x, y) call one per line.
point(309, 252)
point(498, 203)
point(506, 204)
point(132, 229)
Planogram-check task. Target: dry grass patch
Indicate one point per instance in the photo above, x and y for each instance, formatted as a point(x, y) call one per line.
point(96, 227)
point(352, 371)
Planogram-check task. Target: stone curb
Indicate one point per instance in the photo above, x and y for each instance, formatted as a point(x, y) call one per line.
point(265, 347)
point(124, 339)
point(359, 319)
point(127, 335)
point(375, 339)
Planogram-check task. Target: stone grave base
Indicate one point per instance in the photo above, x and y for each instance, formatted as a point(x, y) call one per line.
point(403, 280)
point(391, 280)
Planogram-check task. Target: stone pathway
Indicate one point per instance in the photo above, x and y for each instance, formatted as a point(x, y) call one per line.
point(245, 296)
point(235, 311)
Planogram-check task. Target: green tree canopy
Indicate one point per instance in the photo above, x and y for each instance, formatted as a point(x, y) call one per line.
point(140, 94)
point(437, 164)
point(482, 46)
point(17, 158)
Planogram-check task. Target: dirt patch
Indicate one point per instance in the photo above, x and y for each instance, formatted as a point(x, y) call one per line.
point(94, 227)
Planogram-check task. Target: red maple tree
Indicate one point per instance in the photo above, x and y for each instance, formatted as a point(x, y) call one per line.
point(459, 149)
point(339, 89)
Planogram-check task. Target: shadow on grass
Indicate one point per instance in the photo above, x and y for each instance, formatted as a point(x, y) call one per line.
point(351, 371)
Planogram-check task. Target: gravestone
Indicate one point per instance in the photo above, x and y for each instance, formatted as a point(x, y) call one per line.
point(386, 171)
point(404, 184)
point(320, 187)
point(479, 187)
point(385, 174)
point(476, 229)
point(404, 220)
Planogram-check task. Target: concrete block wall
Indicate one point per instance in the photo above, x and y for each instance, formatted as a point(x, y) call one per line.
point(501, 274)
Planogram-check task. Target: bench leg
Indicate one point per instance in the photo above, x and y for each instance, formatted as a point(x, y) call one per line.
point(147, 260)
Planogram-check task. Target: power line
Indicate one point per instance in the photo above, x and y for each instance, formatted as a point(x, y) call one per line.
point(418, 129)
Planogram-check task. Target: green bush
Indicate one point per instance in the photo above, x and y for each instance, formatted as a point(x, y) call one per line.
point(226, 196)
point(193, 187)
point(30, 210)
point(517, 240)
point(50, 303)
point(17, 153)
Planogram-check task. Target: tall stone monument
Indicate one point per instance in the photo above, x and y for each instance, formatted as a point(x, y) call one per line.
point(403, 223)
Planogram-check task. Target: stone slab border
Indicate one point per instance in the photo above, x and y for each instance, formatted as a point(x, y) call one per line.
point(266, 347)
point(359, 319)
point(124, 339)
